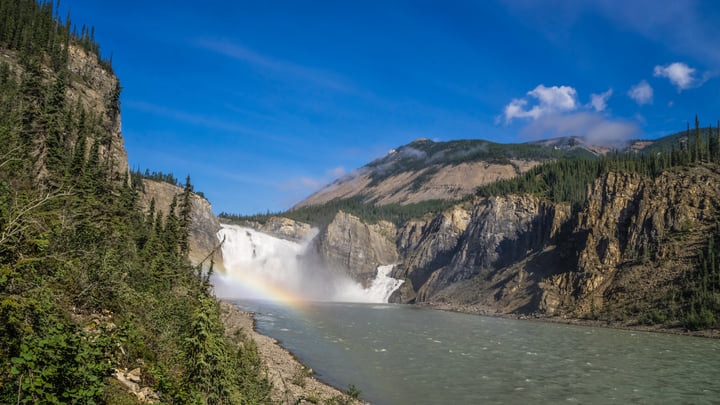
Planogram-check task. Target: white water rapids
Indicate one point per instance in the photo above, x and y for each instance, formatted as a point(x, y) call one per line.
point(260, 266)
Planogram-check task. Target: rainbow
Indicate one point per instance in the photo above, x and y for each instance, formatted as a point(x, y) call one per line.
point(241, 285)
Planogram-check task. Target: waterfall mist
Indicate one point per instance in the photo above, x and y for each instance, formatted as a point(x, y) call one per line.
point(260, 266)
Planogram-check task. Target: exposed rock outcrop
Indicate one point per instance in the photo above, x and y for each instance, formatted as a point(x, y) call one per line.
point(459, 245)
point(624, 249)
point(638, 235)
point(92, 86)
point(350, 246)
point(204, 225)
point(93, 89)
point(285, 228)
point(426, 247)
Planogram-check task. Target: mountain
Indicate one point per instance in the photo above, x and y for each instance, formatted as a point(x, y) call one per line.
point(621, 237)
point(425, 170)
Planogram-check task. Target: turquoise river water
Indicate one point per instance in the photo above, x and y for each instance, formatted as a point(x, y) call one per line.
point(407, 355)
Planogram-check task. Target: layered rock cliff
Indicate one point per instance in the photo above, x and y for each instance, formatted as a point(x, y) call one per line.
point(350, 246)
point(204, 225)
point(89, 85)
point(636, 237)
point(617, 255)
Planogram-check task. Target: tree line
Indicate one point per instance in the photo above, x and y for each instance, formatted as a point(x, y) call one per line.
point(567, 180)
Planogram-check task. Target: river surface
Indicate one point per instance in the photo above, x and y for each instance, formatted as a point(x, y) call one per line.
point(397, 354)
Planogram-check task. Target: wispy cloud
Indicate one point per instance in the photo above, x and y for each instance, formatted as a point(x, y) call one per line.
point(682, 25)
point(642, 93)
point(299, 187)
point(594, 127)
point(680, 75)
point(550, 100)
point(200, 120)
point(284, 68)
point(599, 101)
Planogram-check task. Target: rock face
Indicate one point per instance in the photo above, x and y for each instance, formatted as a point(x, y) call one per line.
point(520, 254)
point(637, 235)
point(460, 245)
point(285, 228)
point(204, 226)
point(427, 247)
point(94, 89)
point(349, 246)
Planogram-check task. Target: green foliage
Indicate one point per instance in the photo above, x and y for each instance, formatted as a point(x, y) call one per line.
point(156, 176)
point(700, 288)
point(353, 391)
point(322, 214)
point(31, 28)
point(61, 366)
point(88, 282)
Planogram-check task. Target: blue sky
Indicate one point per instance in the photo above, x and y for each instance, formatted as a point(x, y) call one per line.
point(264, 102)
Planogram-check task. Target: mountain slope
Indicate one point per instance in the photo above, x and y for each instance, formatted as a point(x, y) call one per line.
point(426, 170)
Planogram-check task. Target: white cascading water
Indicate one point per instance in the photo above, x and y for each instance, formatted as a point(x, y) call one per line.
point(260, 266)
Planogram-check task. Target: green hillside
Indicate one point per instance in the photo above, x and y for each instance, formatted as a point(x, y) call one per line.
point(88, 282)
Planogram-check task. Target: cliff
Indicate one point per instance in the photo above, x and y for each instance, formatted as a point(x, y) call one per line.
point(637, 237)
point(619, 256)
point(89, 86)
point(204, 225)
point(350, 246)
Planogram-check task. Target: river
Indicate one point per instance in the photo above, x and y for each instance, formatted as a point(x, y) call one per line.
point(399, 354)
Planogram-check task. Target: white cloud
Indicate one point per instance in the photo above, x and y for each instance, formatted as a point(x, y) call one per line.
point(679, 74)
point(642, 93)
point(336, 172)
point(599, 101)
point(550, 100)
point(595, 128)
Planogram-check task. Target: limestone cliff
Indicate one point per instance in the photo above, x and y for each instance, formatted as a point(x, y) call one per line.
point(204, 226)
point(92, 86)
point(459, 245)
point(285, 228)
point(349, 246)
point(637, 236)
point(617, 255)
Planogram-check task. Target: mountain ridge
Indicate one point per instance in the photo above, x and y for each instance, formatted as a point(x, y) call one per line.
point(426, 170)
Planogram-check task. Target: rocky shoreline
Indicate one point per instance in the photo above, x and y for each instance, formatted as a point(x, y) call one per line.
point(293, 382)
point(598, 323)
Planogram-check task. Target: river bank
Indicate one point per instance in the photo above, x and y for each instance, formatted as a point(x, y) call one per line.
point(598, 323)
point(293, 383)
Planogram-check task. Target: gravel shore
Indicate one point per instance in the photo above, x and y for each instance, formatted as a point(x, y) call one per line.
point(293, 383)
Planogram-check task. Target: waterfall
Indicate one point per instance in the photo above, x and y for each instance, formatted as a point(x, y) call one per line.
point(260, 266)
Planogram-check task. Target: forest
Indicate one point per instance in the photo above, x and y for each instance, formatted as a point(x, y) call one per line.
point(88, 282)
